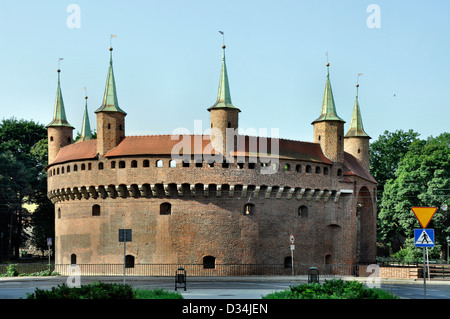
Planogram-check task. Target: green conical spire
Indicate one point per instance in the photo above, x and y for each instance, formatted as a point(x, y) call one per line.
point(356, 125)
point(224, 96)
point(328, 106)
point(86, 133)
point(59, 114)
point(110, 103)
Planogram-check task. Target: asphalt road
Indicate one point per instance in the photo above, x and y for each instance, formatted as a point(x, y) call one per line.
point(217, 287)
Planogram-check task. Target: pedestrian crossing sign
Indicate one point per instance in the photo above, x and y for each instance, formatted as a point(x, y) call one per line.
point(424, 237)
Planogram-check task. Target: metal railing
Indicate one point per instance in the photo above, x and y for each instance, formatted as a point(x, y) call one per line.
point(200, 270)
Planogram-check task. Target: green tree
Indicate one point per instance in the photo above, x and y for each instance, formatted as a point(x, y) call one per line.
point(421, 179)
point(22, 175)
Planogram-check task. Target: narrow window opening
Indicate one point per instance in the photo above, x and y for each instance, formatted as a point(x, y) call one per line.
point(308, 168)
point(100, 166)
point(96, 210)
point(146, 163)
point(109, 126)
point(186, 164)
point(51, 138)
point(75, 168)
point(287, 167)
point(317, 169)
point(298, 168)
point(172, 163)
point(209, 262)
point(303, 211)
point(251, 165)
point(129, 261)
point(122, 164)
point(288, 262)
point(159, 163)
point(59, 213)
point(339, 172)
point(165, 209)
point(89, 166)
point(73, 259)
point(113, 164)
point(134, 163)
point(325, 171)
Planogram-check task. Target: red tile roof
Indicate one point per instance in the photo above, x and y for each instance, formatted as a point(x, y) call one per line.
point(200, 144)
point(356, 169)
point(77, 151)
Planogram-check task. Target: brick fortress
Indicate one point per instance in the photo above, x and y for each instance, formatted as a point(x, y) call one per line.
point(195, 206)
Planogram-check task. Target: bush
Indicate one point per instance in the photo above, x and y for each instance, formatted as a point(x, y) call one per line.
point(331, 289)
point(157, 294)
point(96, 290)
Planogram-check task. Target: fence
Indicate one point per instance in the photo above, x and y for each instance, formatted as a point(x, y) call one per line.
point(200, 270)
point(325, 271)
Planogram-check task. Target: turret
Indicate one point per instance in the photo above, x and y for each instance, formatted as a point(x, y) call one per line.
point(59, 131)
point(224, 115)
point(86, 133)
point(356, 141)
point(110, 117)
point(329, 127)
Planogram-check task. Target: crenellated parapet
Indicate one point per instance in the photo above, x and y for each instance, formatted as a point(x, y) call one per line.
point(174, 190)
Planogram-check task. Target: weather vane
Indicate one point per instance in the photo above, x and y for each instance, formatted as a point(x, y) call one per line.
point(357, 78)
point(59, 62)
point(110, 39)
point(223, 37)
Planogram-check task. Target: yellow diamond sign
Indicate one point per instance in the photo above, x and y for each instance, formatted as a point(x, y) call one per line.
point(424, 214)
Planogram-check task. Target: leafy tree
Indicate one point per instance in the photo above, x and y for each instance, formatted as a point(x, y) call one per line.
point(386, 153)
point(22, 176)
point(421, 179)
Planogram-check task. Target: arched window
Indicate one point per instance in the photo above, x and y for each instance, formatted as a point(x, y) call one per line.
point(59, 213)
point(62, 170)
point(159, 163)
point(288, 262)
point(75, 168)
point(83, 167)
point(209, 262)
point(113, 164)
point(287, 167)
point(57, 171)
point(303, 211)
point(51, 138)
point(325, 171)
point(96, 210)
point(339, 172)
point(172, 163)
point(89, 166)
point(100, 166)
point(68, 168)
point(146, 163)
point(308, 168)
point(133, 163)
point(249, 209)
point(129, 261)
point(165, 209)
point(122, 164)
point(69, 140)
point(317, 169)
point(73, 259)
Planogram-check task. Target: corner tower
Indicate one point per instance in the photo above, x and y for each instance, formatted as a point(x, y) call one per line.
point(110, 117)
point(356, 141)
point(86, 133)
point(59, 131)
point(329, 127)
point(224, 115)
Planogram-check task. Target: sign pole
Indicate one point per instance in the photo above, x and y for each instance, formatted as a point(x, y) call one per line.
point(424, 277)
point(124, 254)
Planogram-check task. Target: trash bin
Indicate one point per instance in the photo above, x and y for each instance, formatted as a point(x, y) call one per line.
point(313, 275)
point(180, 278)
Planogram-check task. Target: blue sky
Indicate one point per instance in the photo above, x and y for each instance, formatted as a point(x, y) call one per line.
point(167, 58)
